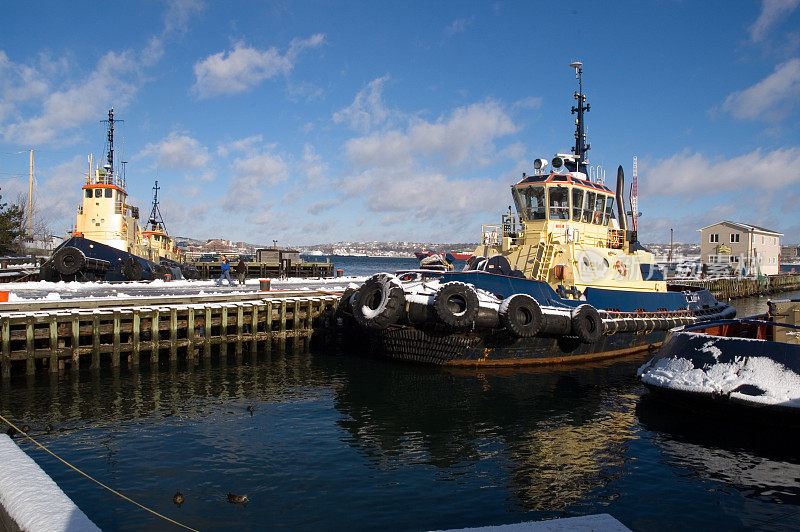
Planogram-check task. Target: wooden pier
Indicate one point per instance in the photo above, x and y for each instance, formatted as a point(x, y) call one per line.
point(731, 288)
point(212, 270)
point(69, 334)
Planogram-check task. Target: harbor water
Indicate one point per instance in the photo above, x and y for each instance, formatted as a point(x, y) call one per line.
point(321, 441)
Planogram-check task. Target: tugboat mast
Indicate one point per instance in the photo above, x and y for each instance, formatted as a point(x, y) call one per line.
point(581, 147)
point(109, 166)
point(110, 156)
point(155, 220)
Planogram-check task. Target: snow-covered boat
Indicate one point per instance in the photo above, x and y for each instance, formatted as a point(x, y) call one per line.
point(564, 280)
point(747, 366)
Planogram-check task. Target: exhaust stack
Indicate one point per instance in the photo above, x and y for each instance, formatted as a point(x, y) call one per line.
point(623, 219)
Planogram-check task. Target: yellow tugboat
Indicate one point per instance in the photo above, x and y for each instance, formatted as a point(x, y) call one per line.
point(564, 280)
point(107, 242)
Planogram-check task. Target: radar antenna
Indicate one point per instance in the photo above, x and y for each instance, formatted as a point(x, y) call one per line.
point(581, 147)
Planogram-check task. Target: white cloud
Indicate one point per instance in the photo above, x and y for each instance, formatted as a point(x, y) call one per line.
point(112, 83)
point(693, 173)
point(312, 165)
point(69, 103)
point(177, 151)
point(243, 68)
point(176, 18)
point(458, 26)
point(770, 98)
point(252, 175)
point(245, 145)
point(466, 135)
point(367, 110)
point(531, 102)
point(56, 210)
point(772, 11)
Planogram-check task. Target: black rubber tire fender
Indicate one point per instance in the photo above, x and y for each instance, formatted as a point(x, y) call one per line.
point(587, 324)
point(379, 302)
point(132, 269)
point(345, 306)
point(69, 261)
point(455, 304)
point(47, 273)
point(522, 315)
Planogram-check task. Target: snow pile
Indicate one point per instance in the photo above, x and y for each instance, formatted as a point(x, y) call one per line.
point(31, 498)
point(779, 385)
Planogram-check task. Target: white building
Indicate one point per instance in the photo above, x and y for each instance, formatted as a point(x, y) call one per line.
point(741, 246)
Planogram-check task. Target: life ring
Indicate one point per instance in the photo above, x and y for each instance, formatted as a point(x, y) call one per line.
point(587, 324)
point(455, 304)
point(522, 315)
point(379, 302)
point(621, 268)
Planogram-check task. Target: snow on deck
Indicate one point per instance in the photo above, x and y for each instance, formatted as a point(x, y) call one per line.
point(780, 385)
point(22, 292)
point(31, 498)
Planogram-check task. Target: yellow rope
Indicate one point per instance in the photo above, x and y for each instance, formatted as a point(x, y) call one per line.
point(112, 490)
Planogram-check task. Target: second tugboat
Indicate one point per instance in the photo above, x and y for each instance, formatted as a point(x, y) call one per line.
point(566, 280)
point(107, 242)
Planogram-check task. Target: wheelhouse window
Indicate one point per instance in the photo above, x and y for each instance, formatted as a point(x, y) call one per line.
point(588, 209)
point(559, 203)
point(531, 203)
point(88, 192)
point(577, 204)
point(599, 209)
point(98, 192)
point(609, 210)
point(109, 193)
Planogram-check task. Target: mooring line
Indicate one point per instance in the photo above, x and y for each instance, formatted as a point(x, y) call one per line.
point(112, 490)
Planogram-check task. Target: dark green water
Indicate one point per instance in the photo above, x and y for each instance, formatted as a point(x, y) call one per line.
point(343, 442)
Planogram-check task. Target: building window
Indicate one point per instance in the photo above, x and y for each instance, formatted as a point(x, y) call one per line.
point(734, 237)
point(713, 237)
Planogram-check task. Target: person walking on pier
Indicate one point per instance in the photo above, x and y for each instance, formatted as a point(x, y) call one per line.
point(241, 270)
point(225, 273)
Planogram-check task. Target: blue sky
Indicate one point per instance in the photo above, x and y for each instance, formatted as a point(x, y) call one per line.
point(315, 122)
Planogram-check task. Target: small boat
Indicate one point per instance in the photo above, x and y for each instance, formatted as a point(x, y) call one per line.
point(747, 367)
point(565, 280)
point(107, 242)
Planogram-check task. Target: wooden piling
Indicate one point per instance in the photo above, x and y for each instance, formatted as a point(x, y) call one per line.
point(52, 335)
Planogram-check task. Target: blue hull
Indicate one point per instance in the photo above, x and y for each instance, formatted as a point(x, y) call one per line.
point(145, 271)
point(688, 298)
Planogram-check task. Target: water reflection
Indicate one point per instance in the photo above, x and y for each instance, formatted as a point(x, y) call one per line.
point(563, 433)
point(760, 462)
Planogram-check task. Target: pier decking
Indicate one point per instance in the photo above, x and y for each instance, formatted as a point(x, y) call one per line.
point(58, 335)
point(731, 288)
